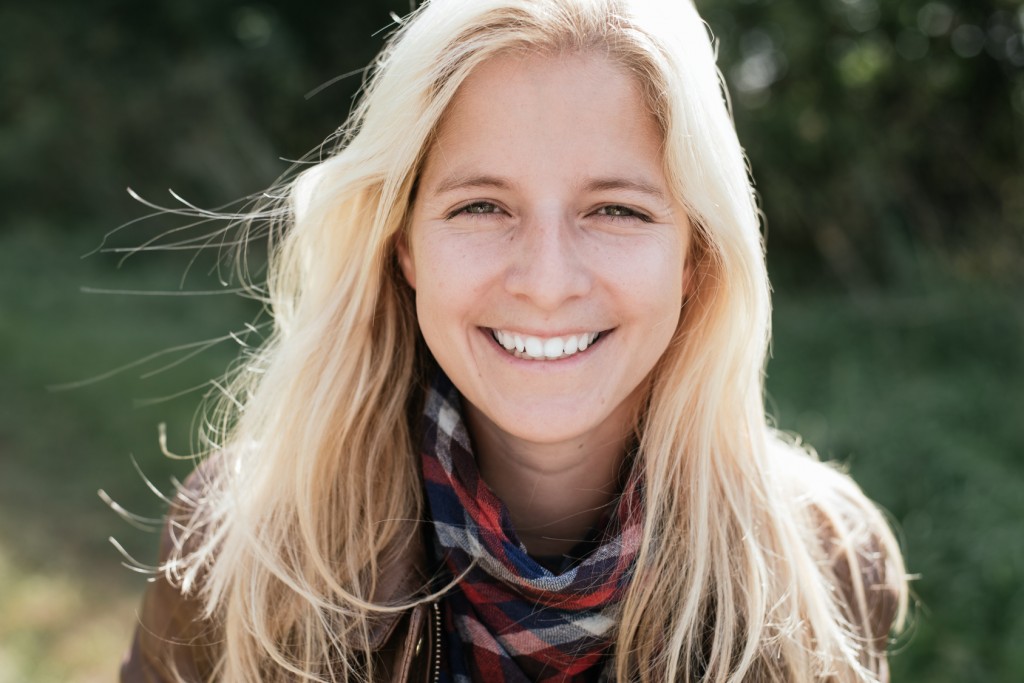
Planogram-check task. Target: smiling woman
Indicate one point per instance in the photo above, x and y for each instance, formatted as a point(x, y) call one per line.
point(509, 426)
point(549, 264)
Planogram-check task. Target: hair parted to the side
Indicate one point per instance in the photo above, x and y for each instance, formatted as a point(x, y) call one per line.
point(747, 537)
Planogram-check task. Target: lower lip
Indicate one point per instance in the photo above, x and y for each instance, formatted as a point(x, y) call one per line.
point(543, 361)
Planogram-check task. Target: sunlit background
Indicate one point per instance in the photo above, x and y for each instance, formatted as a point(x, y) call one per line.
point(887, 140)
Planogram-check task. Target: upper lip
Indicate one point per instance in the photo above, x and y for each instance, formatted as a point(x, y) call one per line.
point(547, 335)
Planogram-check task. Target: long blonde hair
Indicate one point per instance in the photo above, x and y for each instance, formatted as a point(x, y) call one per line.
point(747, 538)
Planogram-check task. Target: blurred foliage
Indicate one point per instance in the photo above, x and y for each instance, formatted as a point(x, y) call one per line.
point(874, 126)
point(877, 126)
point(919, 392)
point(887, 139)
point(205, 96)
point(66, 606)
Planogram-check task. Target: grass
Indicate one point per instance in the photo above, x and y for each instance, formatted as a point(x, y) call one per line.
point(918, 390)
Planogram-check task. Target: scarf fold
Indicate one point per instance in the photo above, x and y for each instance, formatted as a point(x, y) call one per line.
point(510, 618)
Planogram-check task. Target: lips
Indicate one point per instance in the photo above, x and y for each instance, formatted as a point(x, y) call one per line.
point(529, 347)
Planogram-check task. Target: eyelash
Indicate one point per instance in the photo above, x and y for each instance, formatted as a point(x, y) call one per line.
point(627, 215)
point(493, 209)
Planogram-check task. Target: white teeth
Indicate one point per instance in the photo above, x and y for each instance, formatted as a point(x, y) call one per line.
point(553, 347)
point(534, 347)
point(537, 348)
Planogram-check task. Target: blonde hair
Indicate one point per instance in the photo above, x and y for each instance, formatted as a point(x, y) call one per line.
point(747, 540)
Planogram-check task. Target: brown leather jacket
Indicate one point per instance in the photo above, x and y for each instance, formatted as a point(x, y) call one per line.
point(172, 636)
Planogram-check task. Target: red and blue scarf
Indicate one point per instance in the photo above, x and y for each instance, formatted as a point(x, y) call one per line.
point(510, 619)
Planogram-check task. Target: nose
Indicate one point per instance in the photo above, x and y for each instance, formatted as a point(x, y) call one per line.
point(547, 264)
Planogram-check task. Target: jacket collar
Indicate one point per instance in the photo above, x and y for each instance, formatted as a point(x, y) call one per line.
point(403, 579)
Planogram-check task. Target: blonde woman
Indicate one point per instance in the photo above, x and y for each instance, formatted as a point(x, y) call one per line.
point(509, 425)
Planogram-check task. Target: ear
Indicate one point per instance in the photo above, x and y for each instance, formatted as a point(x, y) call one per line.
point(405, 260)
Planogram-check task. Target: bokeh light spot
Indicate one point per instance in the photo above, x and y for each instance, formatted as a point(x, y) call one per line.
point(935, 19)
point(968, 40)
point(253, 27)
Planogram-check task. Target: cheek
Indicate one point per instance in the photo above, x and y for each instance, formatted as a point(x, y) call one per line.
point(651, 277)
point(450, 286)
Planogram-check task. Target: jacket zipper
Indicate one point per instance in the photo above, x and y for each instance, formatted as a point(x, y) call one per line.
point(436, 605)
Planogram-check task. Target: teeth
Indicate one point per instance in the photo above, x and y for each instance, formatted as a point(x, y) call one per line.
point(534, 347)
point(537, 348)
point(553, 347)
point(507, 341)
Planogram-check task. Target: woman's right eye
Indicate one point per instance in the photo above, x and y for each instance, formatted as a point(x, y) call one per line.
point(476, 209)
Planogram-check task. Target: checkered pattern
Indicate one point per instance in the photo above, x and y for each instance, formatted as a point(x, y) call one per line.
point(510, 619)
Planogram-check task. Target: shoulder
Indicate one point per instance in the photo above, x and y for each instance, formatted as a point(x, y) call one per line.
point(851, 540)
point(174, 638)
point(179, 637)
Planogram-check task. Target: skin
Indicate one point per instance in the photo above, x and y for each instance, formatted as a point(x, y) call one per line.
point(543, 209)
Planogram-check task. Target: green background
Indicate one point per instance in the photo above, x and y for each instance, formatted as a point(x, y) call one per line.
point(887, 139)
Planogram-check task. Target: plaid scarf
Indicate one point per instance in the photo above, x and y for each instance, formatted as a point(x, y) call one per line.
point(510, 619)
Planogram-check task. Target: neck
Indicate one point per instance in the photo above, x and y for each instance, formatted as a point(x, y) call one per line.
point(555, 493)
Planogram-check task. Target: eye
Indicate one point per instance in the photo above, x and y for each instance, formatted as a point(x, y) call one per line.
point(619, 211)
point(476, 209)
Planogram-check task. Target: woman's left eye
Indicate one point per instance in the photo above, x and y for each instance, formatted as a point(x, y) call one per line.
point(619, 211)
point(476, 209)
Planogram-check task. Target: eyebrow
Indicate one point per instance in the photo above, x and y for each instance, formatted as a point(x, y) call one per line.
point(633, 184)
point(459, 182)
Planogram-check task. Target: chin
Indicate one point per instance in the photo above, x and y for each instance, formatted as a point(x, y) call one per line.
point(552, 426)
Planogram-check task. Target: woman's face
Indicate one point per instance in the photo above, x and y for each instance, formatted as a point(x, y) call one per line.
point(546, 251)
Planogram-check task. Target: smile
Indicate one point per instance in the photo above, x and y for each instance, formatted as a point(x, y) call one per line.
point(540, 348)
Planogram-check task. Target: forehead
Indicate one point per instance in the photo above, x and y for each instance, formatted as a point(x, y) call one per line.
point(525, 111)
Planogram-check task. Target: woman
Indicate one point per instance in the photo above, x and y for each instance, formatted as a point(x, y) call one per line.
point(509, 425)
